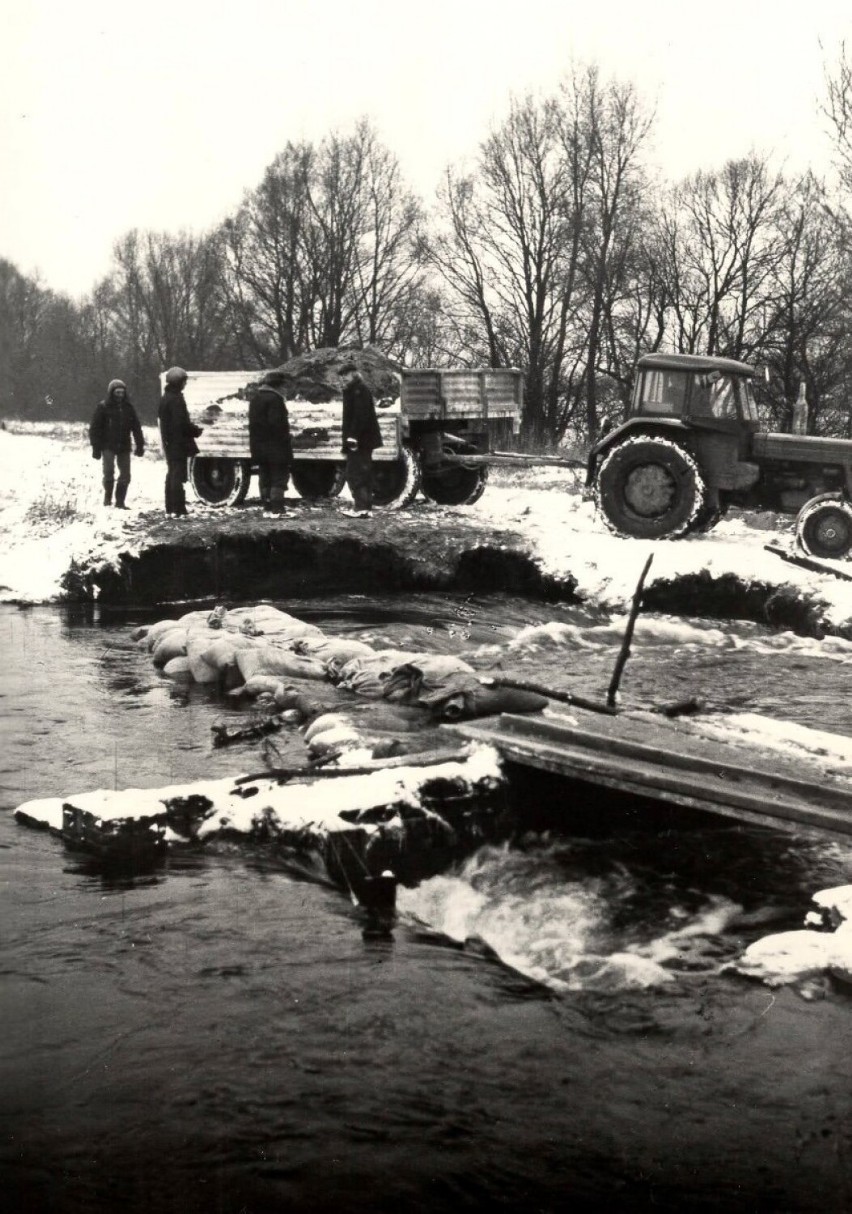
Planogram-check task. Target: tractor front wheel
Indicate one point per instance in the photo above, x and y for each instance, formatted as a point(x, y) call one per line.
point(649, 488)
point(824, 527)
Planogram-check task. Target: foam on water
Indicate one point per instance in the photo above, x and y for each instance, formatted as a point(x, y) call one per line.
point(563, 931)
point(656, 631)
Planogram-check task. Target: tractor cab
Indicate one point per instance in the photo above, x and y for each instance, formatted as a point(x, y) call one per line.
point(713, 393)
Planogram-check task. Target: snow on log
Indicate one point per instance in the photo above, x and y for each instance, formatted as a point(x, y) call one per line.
point(410, 817)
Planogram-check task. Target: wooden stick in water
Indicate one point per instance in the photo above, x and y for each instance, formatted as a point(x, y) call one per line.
point(564, 697)
point(624, 652)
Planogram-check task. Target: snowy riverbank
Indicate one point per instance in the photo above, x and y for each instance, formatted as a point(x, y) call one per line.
point(51, 516)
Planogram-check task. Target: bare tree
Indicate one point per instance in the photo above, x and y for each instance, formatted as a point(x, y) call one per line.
point(267, 284)
point(720, 235)
point(618, 129)
point(534, 247)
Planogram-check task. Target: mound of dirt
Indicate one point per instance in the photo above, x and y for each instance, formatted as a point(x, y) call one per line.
point(315, 375)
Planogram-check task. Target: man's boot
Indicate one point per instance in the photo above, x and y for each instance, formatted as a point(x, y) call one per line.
point(107, 493)
point(120, 494)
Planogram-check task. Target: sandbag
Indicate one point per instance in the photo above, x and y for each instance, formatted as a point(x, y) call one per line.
point(333, 742)
point(194, 618)
point(158, 630)
point(270, 659)
point(366, 675)
point(326, 649)
point(419, 682)
point(328, 720)
point(258, 684)
point(288, 634)
point(172, 644)
point(200, 668)
point(267, 621)
point(178, 668)
point(484, 701)
point(222, 653)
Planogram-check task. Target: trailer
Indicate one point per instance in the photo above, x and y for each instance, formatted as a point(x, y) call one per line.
point(438, 437)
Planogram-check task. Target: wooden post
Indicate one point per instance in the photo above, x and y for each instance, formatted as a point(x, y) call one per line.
point(624, 652)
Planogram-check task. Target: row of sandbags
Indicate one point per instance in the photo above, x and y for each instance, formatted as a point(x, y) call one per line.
point(256, 650)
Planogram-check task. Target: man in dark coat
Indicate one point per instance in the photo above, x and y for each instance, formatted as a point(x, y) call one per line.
point(269, 440)
point(178, 435)
point(361, 436)
point(114, 424)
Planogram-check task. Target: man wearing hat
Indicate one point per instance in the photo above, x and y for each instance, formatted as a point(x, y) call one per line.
point(269, 440)
point(178, 435)
point(361, 436)
point(113, 425)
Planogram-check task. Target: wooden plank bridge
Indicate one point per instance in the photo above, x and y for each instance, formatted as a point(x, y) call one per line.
point(680, 762)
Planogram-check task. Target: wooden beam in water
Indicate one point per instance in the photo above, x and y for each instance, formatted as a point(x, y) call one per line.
point(695, 772)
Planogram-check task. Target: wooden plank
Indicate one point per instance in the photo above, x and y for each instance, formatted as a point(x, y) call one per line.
point(628, 750)
point(696, 790)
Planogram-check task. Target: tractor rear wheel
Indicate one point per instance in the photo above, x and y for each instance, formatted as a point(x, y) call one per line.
point(649, 488)
point(824, 527)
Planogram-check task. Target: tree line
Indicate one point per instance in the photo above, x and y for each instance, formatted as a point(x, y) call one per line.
point(559, 250)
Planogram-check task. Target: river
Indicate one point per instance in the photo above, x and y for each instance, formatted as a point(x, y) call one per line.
point(219, 1036)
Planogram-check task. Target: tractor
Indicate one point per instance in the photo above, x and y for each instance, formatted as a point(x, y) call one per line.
point(692, 446)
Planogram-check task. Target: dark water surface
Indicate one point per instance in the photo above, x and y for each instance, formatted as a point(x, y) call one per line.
point(218, 1036)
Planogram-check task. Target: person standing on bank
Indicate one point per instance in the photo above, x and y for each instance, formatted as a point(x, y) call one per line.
point(178, 435)
point(361, 436)
point(114, 424)
point(269, 440)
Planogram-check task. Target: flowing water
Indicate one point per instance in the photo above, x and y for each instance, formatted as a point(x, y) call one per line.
point(550, 1027)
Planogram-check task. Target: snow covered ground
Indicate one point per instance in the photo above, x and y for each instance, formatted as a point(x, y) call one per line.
point(51, 512)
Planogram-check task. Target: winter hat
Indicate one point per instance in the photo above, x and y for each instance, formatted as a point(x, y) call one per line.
point(274, 378)
point(176, 375)
point(115, 383)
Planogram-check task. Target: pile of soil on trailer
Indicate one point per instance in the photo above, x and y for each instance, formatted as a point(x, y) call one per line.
point(315, 376)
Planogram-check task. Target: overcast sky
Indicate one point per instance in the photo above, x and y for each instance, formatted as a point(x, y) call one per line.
point(159, 114)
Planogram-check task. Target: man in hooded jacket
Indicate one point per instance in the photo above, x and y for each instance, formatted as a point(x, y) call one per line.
point(114, 424)
point(178, 435)
point(269, 440)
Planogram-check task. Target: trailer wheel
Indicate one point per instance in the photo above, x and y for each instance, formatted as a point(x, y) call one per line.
point(318, 478)
point(824, 527)
point(396, 482)
point(219, 482)
point(649, 488)
point(454, 485)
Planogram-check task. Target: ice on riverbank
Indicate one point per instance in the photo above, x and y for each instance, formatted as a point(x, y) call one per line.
point(796, 956)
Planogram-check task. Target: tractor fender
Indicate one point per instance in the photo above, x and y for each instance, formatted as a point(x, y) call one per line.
point(630, 429)
point(822, 497)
